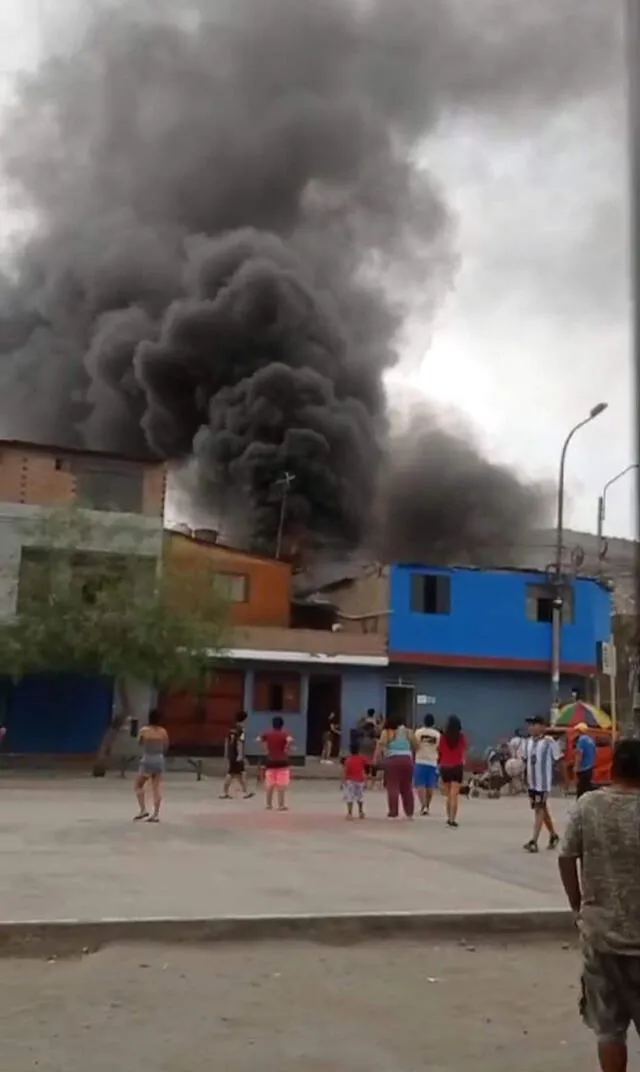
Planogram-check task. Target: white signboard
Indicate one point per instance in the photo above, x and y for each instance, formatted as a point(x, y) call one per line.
point(423, 700)
point(609, 659)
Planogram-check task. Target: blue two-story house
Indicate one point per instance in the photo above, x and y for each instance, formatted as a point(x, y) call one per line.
point(478, 643)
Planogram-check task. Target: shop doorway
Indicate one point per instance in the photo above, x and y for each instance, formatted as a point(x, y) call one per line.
point(325, 695)
point(400, 701)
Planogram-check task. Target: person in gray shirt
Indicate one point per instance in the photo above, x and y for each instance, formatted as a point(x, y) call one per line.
point(600, 871)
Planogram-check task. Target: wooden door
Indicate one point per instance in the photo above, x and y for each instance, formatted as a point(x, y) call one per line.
point(198, 724)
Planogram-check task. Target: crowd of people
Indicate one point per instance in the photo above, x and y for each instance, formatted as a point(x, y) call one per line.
point(410, 764)
point(599, 857)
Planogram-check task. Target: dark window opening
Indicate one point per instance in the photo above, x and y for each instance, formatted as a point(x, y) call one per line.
point(431, 593)
point(109, 487)
point(277, 693)
point(540, 600)
point(276, 697)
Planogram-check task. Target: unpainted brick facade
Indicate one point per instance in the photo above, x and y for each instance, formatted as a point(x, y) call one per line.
point(40, 477)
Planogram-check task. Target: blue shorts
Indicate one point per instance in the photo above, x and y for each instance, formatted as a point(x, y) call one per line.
point(425, 776)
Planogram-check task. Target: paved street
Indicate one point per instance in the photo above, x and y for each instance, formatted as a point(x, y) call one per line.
point(70, 850)
point(304, 1008)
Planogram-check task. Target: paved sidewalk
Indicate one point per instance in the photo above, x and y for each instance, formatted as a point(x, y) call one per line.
point(70, 850)
point(302, 1008)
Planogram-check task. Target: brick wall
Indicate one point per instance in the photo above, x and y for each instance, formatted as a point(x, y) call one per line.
point(43, 478)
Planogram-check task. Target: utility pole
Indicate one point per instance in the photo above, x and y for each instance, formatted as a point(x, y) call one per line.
point(558, 579)
point(285, 482)
point(632, 42)
point(602, 504)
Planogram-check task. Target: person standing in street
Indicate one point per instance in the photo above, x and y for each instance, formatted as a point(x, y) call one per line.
point(425, 775)
point(235, 755)
point(541, 754)
point(396, 745)
point(331, 739)
point(452, 755)
point(154, 741)
point(600, 872)
point(277, 778)
point(368, 743)
point(585, 760)
point(355, 775)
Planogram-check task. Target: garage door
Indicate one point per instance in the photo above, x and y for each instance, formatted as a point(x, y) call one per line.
point(198, 724)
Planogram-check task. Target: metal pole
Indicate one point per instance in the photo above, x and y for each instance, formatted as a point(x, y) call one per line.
point(613, 677)
point(600, 528)
point(602, 503)
point(557, 607)
point(286, 481)
point(632, 41)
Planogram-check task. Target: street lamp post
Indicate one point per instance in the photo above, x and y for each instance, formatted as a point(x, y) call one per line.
point(602, 503)
point(632, 43)
point(556, 615)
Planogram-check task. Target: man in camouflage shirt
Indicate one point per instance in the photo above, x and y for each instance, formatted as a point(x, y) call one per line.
point(603, 837)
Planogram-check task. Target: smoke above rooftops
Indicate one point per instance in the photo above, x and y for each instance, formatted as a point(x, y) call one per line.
point(233, 218)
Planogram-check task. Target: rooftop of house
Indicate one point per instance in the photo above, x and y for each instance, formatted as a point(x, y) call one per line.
point(202, 541)
point(58, 449)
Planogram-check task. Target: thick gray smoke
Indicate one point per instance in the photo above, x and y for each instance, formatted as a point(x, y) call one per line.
point(234, 216)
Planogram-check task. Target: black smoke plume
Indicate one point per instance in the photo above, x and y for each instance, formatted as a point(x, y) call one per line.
point(232, 218)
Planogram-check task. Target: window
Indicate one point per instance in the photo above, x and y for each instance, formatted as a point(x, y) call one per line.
point(233, 587)
point(431, 593)
point(36, 576)
point(540, 603)
point(277, 693)
point(43, 572)
point(110, 486)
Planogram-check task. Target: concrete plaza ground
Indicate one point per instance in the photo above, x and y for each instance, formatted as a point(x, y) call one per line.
point(305, 1008)
point(70, 850)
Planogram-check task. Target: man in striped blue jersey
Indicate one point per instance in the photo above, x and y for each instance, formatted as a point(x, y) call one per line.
point(541, 754)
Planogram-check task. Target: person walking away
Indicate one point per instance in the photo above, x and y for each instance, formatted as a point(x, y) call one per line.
point(277, 743)
point(154, 741)
point(234, 750)
point(452, 755)
point(354, 775)
point(425, 777)
point(585, 760)
point(603, 839)
point(541, 755)
point(368, 744)
point(396, 745)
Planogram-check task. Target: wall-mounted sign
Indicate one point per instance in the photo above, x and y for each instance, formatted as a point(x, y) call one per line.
point(423, 700)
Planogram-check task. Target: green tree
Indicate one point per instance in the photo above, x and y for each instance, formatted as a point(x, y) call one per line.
point(89, 602)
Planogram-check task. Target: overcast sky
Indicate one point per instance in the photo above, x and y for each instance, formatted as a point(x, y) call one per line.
point(536, 328)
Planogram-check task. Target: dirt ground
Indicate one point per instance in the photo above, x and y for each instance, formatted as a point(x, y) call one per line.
point(388, 1007)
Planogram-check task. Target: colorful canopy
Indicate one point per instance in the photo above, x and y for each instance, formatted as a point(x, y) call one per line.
point(573, 713)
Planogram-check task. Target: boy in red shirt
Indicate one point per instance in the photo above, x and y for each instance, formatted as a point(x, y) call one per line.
point(354, 775)
point(277, 743)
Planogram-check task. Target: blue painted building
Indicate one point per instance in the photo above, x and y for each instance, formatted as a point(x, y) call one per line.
point(309, 695)
point(478, 643)
point(49, 714)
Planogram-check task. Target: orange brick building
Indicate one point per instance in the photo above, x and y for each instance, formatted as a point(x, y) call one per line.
point(258, 589)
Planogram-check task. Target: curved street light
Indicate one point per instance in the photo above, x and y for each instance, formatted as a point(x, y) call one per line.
point(556, 617)
point(602, 503)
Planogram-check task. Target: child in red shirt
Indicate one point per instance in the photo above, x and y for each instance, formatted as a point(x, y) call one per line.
point(354, 776)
